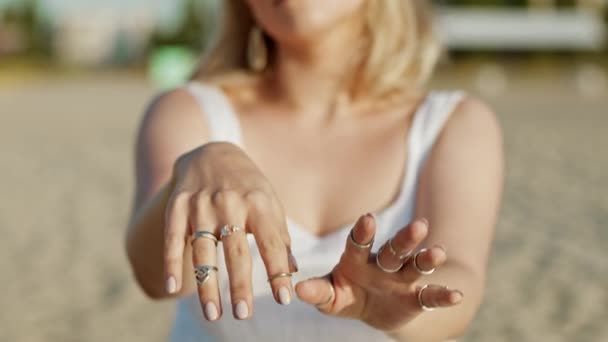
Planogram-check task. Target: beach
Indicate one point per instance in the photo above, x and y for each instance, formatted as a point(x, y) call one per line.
point(66, 146)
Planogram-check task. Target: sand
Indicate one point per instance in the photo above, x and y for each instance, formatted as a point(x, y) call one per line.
point(66, 181)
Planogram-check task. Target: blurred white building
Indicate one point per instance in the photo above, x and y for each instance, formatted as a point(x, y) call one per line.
point(93, 37)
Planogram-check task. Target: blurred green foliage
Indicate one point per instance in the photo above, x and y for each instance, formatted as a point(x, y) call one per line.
point(24, 16)
point(191, 32)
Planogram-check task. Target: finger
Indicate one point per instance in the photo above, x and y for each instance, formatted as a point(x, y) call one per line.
point(358, 244)
point(319, 292)
point(435, 296)
point(395, 252)
point(424, 262)
point(293, 263)
point(204, 253)
point(176, 227)
point(266, 228)
point(284, 232)
point(230, 211)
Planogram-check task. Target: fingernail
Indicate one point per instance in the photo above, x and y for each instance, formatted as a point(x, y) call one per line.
point(211, 311)
point(284, 296)
point(425, 221)
point(171, 285)
point(457, 296)
point(241, 310)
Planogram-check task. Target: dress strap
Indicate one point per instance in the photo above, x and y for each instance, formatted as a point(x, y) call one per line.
point(441, 106)
point(218, 111)
point(427, 125)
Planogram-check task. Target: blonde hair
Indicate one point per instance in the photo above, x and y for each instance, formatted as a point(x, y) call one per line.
point(399, 50)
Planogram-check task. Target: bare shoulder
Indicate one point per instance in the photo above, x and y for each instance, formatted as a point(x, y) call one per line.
point(174, 110)
point(470, 145)
point(172, 124)
point(473, 122)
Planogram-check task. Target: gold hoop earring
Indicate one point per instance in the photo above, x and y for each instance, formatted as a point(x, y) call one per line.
point(257, 51)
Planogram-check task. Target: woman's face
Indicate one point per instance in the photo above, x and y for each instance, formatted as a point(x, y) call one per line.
point(301, 20)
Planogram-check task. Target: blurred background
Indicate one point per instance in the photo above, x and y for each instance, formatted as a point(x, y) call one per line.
point(75, 76)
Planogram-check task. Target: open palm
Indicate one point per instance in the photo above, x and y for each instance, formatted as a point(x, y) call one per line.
point(381, 289)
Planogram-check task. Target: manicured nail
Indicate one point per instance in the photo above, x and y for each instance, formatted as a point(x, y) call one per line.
point(211, 311)
point(241, 310)
point(457, 296)
point(284, 296)
point(442, 248)
point(171, 285)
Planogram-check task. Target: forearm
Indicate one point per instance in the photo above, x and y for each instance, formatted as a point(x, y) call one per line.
point(446, 323)
point(145, 243)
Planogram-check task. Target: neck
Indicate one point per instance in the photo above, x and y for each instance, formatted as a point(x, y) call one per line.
point(314, 78)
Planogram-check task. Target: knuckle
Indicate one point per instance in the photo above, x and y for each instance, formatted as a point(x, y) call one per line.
point(239, 287)
point(198, 199)
point(178, 199)
point(224, 197)
point(238, 251)
point(270, 246)
point(181, 197)
point(258, 199)
point(172, 239)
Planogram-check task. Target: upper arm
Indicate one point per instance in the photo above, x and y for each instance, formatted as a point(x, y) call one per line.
point(461, 186)
point(172, 125)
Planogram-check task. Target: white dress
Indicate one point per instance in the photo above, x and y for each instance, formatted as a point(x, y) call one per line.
point(316, 256)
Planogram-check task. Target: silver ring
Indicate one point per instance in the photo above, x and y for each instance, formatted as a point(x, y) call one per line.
point(351, 238)
point(417, 267)
point(387, 270)
point(228, 229)
point(204, 235)
point(203, 273)
point(421, 302)
point(332, 295)
point(391, 249)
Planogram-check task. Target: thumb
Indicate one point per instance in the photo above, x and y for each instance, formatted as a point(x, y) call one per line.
point(319, 292)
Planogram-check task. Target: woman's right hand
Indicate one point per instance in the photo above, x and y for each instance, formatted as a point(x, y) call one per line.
point(216, 185)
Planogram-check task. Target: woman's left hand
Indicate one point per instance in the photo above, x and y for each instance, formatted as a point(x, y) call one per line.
point(386, 290)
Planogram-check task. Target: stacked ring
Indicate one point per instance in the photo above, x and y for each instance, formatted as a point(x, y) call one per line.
point(205, 235)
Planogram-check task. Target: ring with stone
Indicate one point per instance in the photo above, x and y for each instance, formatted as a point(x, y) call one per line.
point(229, 229)
point(203, 273)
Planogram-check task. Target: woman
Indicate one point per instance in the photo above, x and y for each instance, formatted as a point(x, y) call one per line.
point(305, 115)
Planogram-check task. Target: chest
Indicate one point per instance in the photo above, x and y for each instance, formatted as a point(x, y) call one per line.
point(328, 176)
